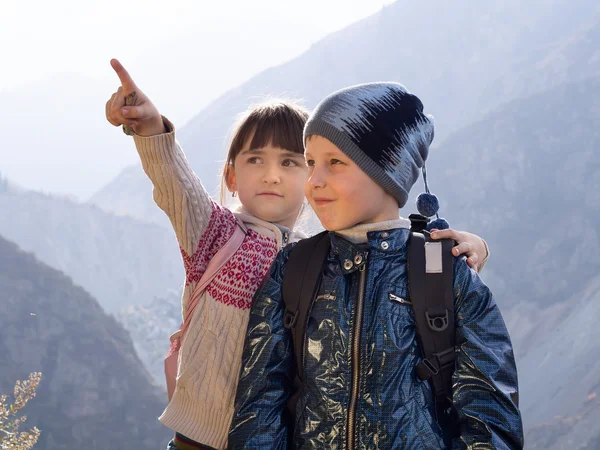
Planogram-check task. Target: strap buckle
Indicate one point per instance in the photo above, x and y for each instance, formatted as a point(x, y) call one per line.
point(426, 370)
point(441, 361)
point(437, 322)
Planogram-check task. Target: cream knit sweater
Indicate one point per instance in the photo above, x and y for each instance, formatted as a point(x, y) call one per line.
point(210, 355)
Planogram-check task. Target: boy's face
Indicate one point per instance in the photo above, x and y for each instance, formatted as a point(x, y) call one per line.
point(341, 194)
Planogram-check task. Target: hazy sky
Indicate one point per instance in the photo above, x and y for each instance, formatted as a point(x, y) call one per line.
point(56, 76)
point(206, 47)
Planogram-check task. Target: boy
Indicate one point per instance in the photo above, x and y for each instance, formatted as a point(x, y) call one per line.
point(365, 146)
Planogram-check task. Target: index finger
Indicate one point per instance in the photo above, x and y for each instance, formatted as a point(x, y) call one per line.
point(126, 80)
point(445, 234)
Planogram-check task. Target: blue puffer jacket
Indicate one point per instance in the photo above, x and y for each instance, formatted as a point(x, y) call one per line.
point(360, 389)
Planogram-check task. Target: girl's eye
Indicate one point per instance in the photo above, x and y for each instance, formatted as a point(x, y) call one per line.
point(310, 162)
point(254, 160)
point(289, 163)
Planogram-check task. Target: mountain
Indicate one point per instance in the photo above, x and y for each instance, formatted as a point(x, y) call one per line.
point(150, 326)
point(130, 194)
point(575, 432)
point(462, 59)
point(95, 393)
point(558, 360)
point(119, 260)
point(51, 140)
point(575, 58)
point(526, 177)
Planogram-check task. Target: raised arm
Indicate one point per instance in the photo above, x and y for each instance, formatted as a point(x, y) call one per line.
point(200, 224)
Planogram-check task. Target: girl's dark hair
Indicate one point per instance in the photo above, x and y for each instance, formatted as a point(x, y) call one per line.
point(279, 123)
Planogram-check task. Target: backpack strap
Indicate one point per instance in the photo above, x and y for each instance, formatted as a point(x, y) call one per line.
point(430, 281)
point(301, 280)
point(215, 264)
point(212, 269)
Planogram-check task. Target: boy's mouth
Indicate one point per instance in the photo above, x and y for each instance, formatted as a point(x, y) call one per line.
point(320, 201)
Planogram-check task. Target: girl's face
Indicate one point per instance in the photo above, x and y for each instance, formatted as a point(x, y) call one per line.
point(341, 194)
point(270, 183)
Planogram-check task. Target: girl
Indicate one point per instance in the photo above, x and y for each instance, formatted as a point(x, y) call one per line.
point(265, 168)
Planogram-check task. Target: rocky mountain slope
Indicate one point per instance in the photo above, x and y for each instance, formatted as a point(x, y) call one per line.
point(95, 392)
point(119, 260)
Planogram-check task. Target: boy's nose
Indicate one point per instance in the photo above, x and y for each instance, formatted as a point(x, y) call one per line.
point(316, 179)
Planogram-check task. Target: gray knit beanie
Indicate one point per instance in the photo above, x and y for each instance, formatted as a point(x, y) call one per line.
point(382, 128)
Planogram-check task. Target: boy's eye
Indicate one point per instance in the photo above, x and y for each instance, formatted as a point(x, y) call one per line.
point(310, 162)
point(335, 161)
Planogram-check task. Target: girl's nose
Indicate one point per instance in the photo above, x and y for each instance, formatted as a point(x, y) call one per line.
point(272, 175)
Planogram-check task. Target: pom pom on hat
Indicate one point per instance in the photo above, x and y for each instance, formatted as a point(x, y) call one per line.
point(427, 204)
point(438, 224)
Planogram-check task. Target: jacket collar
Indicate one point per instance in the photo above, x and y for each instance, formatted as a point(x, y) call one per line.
point(383, 237)
point(359, 233)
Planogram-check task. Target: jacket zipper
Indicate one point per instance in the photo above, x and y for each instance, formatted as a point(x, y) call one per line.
point(401, 300)
point(327, 296)
point(284, 239)
point(356, 338)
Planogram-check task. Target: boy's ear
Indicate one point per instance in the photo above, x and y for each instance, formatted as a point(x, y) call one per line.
point(230, 178)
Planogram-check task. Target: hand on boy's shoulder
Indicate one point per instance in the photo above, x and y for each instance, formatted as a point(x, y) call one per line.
point(130, 107)
point(468, 244)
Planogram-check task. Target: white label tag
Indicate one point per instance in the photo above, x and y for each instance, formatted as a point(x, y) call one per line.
point(433, 257)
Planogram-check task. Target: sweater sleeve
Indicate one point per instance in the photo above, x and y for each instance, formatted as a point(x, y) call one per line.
point(201, 225)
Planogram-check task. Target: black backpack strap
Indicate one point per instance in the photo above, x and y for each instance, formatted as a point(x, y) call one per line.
point(301, 280)
point(430, 281)
point(418, 222)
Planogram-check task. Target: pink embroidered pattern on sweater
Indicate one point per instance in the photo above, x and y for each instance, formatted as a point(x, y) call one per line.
point(219, 229)
point(241, 276)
